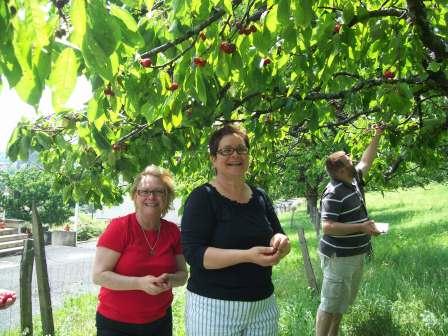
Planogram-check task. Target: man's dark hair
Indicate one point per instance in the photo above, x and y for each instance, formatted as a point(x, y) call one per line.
point(334, 163)
point(215, 138)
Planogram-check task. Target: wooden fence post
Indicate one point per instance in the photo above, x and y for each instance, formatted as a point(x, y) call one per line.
point(43, 285)
point(26, 277)
point(307, 262)
point(292, 218)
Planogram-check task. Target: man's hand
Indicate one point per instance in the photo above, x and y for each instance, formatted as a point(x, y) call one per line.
point(369, 228)
point(379, 128)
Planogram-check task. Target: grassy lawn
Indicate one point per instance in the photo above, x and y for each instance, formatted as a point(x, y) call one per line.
point(404, 291)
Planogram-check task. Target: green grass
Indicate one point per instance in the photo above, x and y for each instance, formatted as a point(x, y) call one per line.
point(404, 291)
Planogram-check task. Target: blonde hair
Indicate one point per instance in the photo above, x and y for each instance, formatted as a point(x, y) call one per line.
point(167, 179)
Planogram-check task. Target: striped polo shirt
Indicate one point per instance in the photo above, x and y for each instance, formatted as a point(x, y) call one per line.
point(344, 203)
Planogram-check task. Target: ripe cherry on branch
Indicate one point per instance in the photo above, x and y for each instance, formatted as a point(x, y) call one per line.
point(145, 62)
point(388, 74)
point(108, 91)
point(337, 27)
point(119, 147)
point(202, 36)
point(199, 62)
point(227, 47)
point(173, 86)
point(266, 61)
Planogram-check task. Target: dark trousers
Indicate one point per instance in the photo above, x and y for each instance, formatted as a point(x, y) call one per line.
point(161, 327)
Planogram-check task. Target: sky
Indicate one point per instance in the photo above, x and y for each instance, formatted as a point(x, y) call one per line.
point(13, 108)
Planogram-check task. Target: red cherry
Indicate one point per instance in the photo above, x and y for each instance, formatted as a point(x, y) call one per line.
point(199, 62)
point(227, 47)
point(266, 61)
point(389, 74)
point(253, 29)
point(108, 92)
point(337, 28)
point(146, 62)
point(202, 36)
point(173, 86)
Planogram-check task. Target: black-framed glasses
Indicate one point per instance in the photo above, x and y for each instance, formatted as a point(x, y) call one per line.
point(147, 192)
point(227, 151)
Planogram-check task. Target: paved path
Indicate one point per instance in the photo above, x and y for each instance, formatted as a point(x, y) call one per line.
point(69, 270)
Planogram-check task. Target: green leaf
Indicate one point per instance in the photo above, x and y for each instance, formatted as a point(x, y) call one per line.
point(63, 77)
point(10, 66)
point(271, 19)
point(303, 13)
point(200, 86)
point(78, 18)
point(150, 112)
point(149, 4)
point(100, 139)
point(95, 57)
point(44, 140)
point(128, 28)
point(125, 17)
point(103, 27)
point(284, 12)
point(228, 6)
point(35, 18)
point(434, 66)
point(29, 87)
point(24, 149)
point(93, 111)
point(176, 119)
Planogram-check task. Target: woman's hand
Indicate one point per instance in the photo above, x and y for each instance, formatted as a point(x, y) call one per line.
point(263, 256)
point(281, 245)
point(154, 285)
point(7, 298)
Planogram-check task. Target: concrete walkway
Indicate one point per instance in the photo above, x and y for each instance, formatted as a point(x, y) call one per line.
point(69, 270)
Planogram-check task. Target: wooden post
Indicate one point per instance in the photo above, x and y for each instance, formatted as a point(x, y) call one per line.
point(43, 285)
point(26, 277)
point(292, 218)
point(307, 262)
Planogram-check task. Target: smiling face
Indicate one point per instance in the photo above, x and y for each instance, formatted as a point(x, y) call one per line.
point(150, 197)
point(235, 164)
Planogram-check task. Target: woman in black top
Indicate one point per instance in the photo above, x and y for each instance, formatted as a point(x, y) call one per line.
point(231, 238)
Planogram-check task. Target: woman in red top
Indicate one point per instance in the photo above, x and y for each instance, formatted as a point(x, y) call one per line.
point(138, 261)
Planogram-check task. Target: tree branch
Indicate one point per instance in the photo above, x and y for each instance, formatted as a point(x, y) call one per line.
point(417, 12)
point(216, 16)
point(400, 13)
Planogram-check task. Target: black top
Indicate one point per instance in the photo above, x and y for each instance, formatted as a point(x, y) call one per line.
point(344, 202)
point(211, 219)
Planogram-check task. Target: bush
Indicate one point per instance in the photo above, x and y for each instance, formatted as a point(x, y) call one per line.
point(87, 232)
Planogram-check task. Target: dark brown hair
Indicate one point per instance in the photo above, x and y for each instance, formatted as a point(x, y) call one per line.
point(215, 138)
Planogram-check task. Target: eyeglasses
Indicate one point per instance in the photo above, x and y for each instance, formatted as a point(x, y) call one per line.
point(146, 193)
point(227, 151)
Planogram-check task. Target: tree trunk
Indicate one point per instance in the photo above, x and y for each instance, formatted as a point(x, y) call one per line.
point(26, 276)
point(43, 285)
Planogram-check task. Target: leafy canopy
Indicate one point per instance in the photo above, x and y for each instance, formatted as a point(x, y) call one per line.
point(163, 73)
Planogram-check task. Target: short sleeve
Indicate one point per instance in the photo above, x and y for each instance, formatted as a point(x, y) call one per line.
point(115, 236)
point(331, 207)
